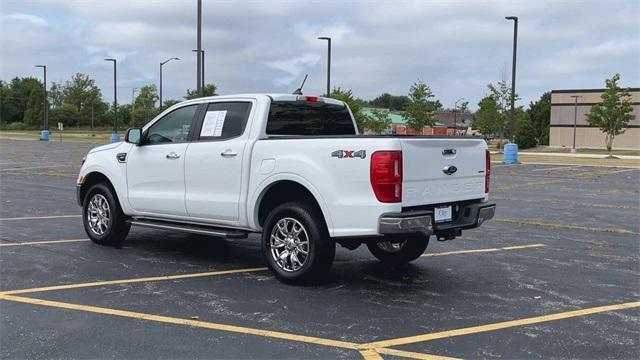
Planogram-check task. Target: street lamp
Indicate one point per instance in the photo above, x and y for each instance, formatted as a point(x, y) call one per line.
point(201, 59)
point(162, 63)
point(45, 115)
point(114, 136)
point(199, 48)
point(513, 75)
point(455, 111)
point(575, 120)
point(328, 39)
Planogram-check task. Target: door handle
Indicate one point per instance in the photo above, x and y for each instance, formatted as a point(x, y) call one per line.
point(172, 156)
point(228, 153)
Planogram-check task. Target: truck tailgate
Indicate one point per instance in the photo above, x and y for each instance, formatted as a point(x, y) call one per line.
point(424, 179)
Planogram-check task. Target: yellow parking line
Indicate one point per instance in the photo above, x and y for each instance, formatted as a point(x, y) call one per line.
point(134, 280)
point(187, 322)
point(567, 226)
point(412, 355)
point(370, 354)
point(43, 242)
point(39, 217)
point(472, 251)
point(222, 272)
point(501, 325)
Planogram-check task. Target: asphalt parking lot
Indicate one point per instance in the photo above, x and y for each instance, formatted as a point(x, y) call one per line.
point(554, 275)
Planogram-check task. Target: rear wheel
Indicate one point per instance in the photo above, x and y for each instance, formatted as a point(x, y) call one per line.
point(296, 243)
point(399, 251)
point(103, 219)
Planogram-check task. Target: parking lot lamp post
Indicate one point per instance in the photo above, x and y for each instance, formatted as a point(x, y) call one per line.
point(328, 39)
point(455, 112)
point(162, 63)
point(45, 115)
point(201, 58)
point(513, 76)
point(114, 136)
point(575, 121)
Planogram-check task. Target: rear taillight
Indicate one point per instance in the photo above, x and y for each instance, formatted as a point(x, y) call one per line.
point(487, 173)
point(386, 175)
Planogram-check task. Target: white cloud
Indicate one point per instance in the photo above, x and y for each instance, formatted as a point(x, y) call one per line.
point(32, 19)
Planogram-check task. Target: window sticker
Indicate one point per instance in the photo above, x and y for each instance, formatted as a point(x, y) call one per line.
point(213, 123)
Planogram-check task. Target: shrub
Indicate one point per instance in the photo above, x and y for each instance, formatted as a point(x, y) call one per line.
point(17, 126)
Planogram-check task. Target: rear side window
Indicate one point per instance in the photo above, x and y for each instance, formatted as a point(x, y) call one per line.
point(309, 118)
point(224, 120)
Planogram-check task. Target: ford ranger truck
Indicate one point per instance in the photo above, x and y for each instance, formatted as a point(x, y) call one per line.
point(291, 168)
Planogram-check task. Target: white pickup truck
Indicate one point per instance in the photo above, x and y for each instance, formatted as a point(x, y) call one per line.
point(293, 168)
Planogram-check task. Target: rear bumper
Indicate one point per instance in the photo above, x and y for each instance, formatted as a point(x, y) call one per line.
point(421, 222)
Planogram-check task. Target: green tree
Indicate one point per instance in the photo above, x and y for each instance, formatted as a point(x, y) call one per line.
point(55, 94)
point(539, 115)
point(169, 103)
point(209, 90)
point(354, 104)
point(487, 119)
point(67, 114)
point(420, 110)
point(388, 101)
point(81, 91)
point(614, 113)
point(525, 135)
point(145, 103)
point(34, 114)
point(501, 93)
point(378, 121)
point(15, 98)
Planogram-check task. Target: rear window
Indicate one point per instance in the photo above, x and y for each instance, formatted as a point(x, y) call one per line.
point(309, 118)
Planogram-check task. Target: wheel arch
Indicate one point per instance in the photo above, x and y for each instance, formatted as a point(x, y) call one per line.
point(285, 190)
point(92, 178)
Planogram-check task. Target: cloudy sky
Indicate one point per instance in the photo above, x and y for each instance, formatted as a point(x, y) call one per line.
point(456, 47)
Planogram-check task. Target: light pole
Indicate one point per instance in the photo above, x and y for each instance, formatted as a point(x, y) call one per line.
point(114, 136)
point(455, 112)
point(328, 39)
point(575, 120)
point(199, 48)
point(201, 57)
point(162, 63)
point(45, 115)
point(133, 105)
point(513, 75)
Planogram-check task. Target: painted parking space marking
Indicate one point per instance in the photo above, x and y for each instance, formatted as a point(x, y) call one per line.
point(40, 217)
point(568, 226)
point(488, 250)
point(133, 280)
point(227, 272)
point(566, 167)
point(502, 325)
point(43, 242)
point(181, 321)
point(411, 354)
point(562, 201)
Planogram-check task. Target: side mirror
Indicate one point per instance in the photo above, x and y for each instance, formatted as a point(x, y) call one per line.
point(134, 136)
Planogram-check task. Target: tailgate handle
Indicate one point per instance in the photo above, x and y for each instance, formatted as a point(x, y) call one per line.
point(446, 152)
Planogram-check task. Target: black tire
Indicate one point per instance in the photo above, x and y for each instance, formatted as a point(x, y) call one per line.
point(117, 229)
point(320, 249)
point(406, 251)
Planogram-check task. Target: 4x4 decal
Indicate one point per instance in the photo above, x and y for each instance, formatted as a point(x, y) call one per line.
point(349, 154)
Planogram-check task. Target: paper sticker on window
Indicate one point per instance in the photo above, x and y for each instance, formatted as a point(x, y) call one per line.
point(213, 123)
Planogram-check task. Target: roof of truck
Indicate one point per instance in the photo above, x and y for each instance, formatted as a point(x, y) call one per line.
point(274, 96)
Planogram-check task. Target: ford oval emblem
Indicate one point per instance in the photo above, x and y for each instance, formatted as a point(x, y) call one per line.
point(449, 169)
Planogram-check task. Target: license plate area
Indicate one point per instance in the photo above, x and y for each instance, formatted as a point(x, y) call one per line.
point(442, 214)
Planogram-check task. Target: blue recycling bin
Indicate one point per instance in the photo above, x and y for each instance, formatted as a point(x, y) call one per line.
point(44, 135)
point(510, 154)
point(115, 137)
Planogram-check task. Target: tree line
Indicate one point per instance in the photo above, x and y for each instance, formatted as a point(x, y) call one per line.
point(78, 103)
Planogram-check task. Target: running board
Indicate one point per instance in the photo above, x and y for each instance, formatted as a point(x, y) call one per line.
point(190, 228)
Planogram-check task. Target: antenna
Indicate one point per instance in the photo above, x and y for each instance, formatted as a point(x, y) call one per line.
point(299, 90)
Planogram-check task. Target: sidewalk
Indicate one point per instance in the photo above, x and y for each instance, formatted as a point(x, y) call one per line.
point(581, 155)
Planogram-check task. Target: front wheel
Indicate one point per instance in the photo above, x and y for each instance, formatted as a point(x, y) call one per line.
point(296, 243)
point(103, 219)
point(399, 252)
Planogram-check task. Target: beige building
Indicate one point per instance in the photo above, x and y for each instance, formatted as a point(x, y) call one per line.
point(562, 120)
